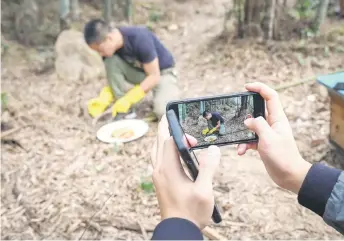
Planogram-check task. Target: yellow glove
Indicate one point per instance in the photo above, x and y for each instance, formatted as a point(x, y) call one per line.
point(122, 105)
point(212, 130)
point(98, 105)
point(205, 131)
point(106, 95)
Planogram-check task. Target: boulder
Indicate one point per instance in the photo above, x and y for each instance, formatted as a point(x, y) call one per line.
point(75, 60)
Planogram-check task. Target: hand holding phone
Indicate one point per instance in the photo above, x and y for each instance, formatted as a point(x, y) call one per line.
point(276, 146)
point(186, 154)
point(178, 196)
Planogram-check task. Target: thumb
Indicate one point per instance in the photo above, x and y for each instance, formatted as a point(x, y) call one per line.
point(208, 163)
point(258, 125)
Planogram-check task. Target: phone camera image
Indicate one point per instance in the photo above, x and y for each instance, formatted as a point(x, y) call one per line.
point(218, 121)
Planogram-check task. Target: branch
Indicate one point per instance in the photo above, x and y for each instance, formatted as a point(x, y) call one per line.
point(212, 234)
point(292, 84)
point(11, 131)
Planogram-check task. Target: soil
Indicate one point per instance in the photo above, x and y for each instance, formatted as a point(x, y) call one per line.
point(65, 184)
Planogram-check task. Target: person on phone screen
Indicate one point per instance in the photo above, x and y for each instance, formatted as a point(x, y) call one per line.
point(186, 206)
point(136, 63)
point(216, 123)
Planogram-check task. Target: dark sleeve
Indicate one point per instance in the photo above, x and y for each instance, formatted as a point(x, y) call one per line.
point(334, 211)
point(219, 117)
point(177, 229)
point(144, 46)
point(317, 187)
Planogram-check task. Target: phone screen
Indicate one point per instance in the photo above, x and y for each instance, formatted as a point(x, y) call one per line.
point(220, 120)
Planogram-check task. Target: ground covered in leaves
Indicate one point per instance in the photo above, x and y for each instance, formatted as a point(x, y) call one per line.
point(64, 184)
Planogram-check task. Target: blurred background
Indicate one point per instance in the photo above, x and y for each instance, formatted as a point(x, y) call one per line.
point(59, 182)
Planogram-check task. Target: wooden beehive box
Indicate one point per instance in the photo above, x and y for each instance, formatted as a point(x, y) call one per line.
point(337, 108)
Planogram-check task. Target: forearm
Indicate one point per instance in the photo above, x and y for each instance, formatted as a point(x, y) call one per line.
point(296, 176)
point(150, 82)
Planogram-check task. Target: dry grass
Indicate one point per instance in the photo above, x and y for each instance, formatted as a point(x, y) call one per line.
point(66, 180)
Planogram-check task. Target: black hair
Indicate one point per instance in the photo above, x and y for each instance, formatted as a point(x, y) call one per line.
point(95, 31)
point(205, 113)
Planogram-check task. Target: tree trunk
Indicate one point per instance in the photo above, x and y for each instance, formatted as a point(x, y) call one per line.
point(320, 15)
point(107, 11)
point(248, 9)
point(75, 9)
point(341, 5)
point(243, 104)
point(117, 10)
point(238, 4)
point(201, 107)
point(64, 14)
point(269, 18)
point(252, 18)
point(129, 10)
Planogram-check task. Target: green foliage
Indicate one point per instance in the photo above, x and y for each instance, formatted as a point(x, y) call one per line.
point(150, 26)
point(4, 101)
point(4, 48)
point(147, 186)
point(305, 8)
point(154, 16)
point(308, 33)
point(117, 147)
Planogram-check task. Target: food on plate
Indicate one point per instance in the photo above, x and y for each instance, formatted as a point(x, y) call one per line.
point(210, 138)
point(123, 133)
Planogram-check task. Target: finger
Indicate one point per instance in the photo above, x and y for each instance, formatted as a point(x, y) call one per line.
point(259, 126)
point(171, 166)
point(242, 148)
point(271, 97)
point(266, 113)
point(208, 163)
point(154, 153)
point(190, 140)
point(163, 134)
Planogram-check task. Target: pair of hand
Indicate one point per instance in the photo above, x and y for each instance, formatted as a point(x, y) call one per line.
point(98, 105)
point(179, 197)
point(208, 132)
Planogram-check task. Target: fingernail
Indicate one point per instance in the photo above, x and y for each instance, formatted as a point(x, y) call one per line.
point(248, 84)
point(241, 149)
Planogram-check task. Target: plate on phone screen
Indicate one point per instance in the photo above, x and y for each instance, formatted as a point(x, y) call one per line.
point(122, 131)
point(210, 139)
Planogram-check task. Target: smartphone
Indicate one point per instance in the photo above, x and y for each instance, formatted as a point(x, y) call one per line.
point(186, 154)
point(219, 120)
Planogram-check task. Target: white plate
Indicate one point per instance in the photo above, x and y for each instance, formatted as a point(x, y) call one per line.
point(207, 139)
point(139, 127)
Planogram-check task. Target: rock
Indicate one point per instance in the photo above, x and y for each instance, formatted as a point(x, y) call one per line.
point(311, 98)
point(323, 91)
point(173, 27)
point(5, 116)
point(75, 60)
